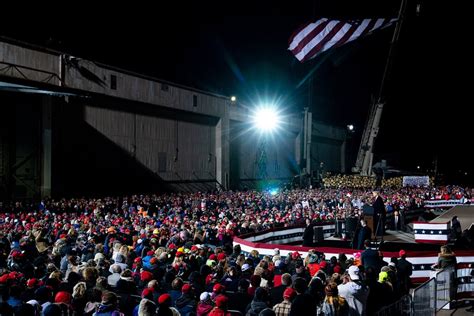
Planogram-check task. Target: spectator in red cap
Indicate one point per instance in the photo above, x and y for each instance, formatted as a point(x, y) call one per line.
point(63, 297)
point(164, 299)
point(164, 309)
point(221, 256)
point(186, 303)
point(146, 276)
point(31, 286)
point(146, 305)
point(221, 306)
point(284, 308)
point(404, 272)
point(218, 289)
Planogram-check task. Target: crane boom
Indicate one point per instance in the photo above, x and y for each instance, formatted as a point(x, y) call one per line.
point(365, 155)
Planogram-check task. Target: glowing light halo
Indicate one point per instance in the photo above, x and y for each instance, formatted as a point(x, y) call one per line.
point(266, 119)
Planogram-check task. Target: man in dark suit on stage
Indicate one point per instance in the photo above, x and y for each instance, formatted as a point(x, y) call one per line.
point(397, 221)
point(380, 213)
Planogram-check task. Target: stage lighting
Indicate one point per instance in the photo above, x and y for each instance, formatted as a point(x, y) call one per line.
point(273, 191)
point(233, 98)
point(266, 119)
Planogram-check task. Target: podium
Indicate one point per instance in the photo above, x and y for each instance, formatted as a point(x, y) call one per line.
point(369, 218)
point(351, 226)
point(318, 234)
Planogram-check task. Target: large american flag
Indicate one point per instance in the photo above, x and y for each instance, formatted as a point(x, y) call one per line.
point(314, 38)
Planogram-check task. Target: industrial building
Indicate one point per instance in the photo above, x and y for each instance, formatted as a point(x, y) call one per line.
point(72, 127)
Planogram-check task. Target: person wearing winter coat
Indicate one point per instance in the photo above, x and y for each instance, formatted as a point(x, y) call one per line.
point(446, 258)
point(205, 304)
point(221, 306)
point(333, 304)
point(259, 302)
point(108, 306)
point(186, 304)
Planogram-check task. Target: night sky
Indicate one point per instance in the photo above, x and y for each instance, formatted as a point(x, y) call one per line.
point(240, 48)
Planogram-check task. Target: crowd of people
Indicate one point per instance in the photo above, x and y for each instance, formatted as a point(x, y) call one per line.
point(357, 181)
point(172, 254)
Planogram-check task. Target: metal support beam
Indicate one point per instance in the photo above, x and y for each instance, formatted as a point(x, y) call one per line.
point(46, 146)
point(222, 151)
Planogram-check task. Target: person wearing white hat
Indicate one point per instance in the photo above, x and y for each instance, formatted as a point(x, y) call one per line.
point(204, 306)
point(355, 292)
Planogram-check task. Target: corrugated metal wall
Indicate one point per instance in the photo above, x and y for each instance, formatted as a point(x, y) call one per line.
point(328, 152)
point(153, 142)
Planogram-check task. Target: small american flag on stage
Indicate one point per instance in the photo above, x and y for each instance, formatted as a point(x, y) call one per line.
point(314, 38)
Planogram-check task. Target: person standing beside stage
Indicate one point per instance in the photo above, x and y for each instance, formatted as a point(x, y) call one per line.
point(308, 234)
point(379, 212)
point(456, 230)
point(363, 234)
point(370, 257)
point(446, 258)
point(404, 272)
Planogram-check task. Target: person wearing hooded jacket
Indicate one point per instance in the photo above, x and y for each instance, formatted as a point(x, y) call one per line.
point(259, 302)
point(355, 292)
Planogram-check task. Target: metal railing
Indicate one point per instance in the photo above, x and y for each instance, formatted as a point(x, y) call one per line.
point(402, 307)
point(445, 287)
point(436, 293)
point(428, 298)
point(424, 299)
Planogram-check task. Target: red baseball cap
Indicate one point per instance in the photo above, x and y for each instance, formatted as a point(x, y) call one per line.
point(218, 288)
point(295, 255)
point(186, 288)
point(147, 293)
point(289, 293)
point(164, 298)
point(146, 276)
point(63, 297)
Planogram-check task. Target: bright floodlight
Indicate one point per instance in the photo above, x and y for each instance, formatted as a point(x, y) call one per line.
point(233, 98)
point(266, 119)
point(350, 127)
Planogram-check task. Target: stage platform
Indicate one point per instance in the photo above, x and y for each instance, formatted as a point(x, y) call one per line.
point(465, 214)
point(392, 241)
